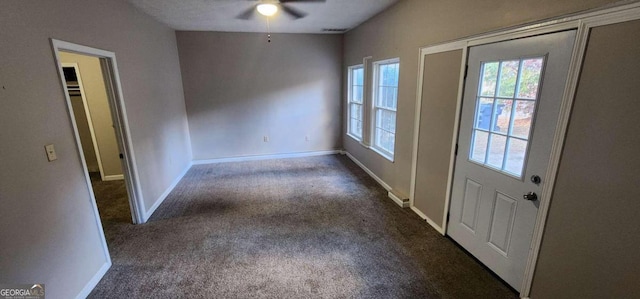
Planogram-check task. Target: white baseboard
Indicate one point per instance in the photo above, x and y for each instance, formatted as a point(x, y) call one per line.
point(433, 224)
point(396, 199)
point(267, 157)
point(382, 183)
point(368, 171)
point(166, 192)
point(115, 177)
point(94, 281)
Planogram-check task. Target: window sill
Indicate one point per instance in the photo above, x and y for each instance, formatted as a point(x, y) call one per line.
point(354, 137)
point(382, 153)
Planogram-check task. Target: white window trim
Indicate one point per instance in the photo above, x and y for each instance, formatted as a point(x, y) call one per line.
point(374, 96)
point(349, 97)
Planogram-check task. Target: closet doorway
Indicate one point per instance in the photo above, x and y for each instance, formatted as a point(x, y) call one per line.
point(89, 100)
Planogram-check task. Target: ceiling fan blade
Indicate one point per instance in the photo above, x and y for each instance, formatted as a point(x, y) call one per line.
point(285, 1)
point(296, 14)
point(247, 14)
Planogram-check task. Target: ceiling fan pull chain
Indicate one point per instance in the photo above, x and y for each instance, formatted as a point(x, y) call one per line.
point(268, 31)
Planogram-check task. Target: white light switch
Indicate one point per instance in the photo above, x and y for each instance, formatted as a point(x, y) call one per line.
point(51, 152)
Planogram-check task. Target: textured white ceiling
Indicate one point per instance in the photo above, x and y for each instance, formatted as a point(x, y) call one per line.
point(220, 15)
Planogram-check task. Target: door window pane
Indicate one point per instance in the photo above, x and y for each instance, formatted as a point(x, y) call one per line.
point(515, 156)
point(489, 79)
point(522, 119)
point(479, 146)
point(530, 78)
point(483, 113)
point(498, 143)
point(502, 116)
point(508, 78)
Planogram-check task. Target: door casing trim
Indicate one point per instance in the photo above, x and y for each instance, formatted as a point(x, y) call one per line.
point(121, 125)
point(583, 23)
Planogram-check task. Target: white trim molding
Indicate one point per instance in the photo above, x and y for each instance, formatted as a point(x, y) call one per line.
point(429, 221)
point(583, 22)
point(115, 177)
point(165, 194)
point(390, 194)
point(84, 293)
point(403, 203)
point(369, 172)
point(267, 157)
point(350, 84)
point(366, 102)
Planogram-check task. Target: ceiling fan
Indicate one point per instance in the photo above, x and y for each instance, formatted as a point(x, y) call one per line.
point(269, 8)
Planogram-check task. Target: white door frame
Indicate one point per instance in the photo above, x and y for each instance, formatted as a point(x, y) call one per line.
point(583, 22)
point(121, 124)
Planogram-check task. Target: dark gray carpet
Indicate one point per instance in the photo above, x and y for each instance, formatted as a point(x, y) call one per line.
point(294, 228)
point(112, 200)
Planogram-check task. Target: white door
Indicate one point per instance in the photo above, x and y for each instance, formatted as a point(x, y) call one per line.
point(510, 109)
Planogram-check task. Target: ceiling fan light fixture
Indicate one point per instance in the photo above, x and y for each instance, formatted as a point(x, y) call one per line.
point(267, 9)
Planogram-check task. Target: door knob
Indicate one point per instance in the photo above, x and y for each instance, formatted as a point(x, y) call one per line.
point(532, 196)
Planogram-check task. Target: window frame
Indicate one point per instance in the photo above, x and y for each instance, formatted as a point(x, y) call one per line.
point(350, 101)
point(375, 108)
point(509, 135)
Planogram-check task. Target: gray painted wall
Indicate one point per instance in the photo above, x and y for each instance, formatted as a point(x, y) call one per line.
point(437, 121)
point(410, 24)
point(591, 242)
point(47, 227)
point(239, 88)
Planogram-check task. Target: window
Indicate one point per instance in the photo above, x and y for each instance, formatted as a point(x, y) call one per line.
point(385, 104)
point(355, 101)
point(505, 108)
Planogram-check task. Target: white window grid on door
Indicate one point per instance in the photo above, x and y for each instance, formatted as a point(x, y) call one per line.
point(509, 159)
point(355, 102)
point(386, 75)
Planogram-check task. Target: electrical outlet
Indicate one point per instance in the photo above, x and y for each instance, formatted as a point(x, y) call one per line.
point(266, 138)
point(51, 152)
point(306, 138)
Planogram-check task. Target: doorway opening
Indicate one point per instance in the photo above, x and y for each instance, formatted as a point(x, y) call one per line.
point(92, 90)
point(89, 100)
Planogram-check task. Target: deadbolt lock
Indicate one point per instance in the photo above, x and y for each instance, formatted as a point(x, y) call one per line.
point(536, 179)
